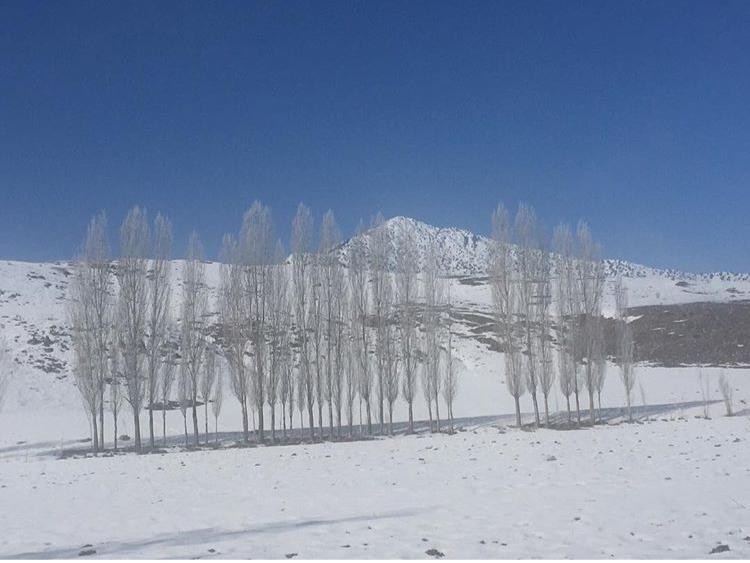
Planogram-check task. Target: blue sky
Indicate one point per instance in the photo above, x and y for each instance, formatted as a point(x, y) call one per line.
point(632, 115)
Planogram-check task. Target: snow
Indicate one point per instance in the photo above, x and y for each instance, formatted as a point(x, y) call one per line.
point(671, 489)
point(674, 486)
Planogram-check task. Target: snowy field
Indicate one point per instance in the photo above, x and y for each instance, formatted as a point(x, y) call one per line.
point(672, 487)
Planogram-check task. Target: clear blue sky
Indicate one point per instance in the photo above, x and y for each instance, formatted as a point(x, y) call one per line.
point(635, 116)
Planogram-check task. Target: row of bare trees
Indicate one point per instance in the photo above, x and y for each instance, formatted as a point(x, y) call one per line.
point(126, 345)
point(294, 332)
point(526, 272)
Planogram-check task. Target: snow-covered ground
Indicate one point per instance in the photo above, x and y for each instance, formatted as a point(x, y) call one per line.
point(671, 488)
point(674, 486)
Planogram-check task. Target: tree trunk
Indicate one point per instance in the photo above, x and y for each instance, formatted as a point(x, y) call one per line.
point(195, 423)
point(101, 417)
point(630, 414)
point(592, 405)
point(369, 418)
point(429, 413)
point(567, 400)
point(273, 423)
point(578, 407)
point(536, 407)
point(114, 425)
point(411, 417)
point(184, 424)
point(245, 429)
point(437, 412)
point(311, 418)
point(330, 418)
point(390, 419)
point(95, 433)
point(205, 416)
point(518, 412)
point(151, 424)
point(546, 409)
point(164, 423)
point(137, 428)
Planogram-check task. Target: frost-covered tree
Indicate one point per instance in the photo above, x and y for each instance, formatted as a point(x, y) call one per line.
point(359, 291)
point(407, 295)
point(159, 290)
point(590, 281)
point(132, 310)
point(115, 387)
point(434, 297)
point(184, 392)
point(207, 382)
point(193, 314)
point(302, 234)
point(258, 249)
point(279, 330)
point(351, 379)
point(450, 374)
point(625, 344)
point(391, 370)
point(563, 245)
point(543, 345)
point(505, 301)
point(727, 393)
point(527, 233)
point(168, 371)
point(332, 284)
point(234, 321)
point(218, 395)
point(85, 371)
point(90, 315)
point(381, 298)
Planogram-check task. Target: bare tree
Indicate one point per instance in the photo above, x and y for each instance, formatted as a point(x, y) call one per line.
point(359, 311)
point(434, 296)
point(279, 328)
point(450, 381)
point(590, 277)
point(207, 382)
point(194, 310)
point(168, 371)
point(331, 281)
point(625, 345)
point(132, 309)
point(158, 304)
point(234, 321)
point(80, 317)
point(351, 381)
point(184, 392)
point(391, 370)
point(543, 348)
point(407, 292)
point(258, 245)
point(287, 382)
point(505, 301)
point(218, 397)
point(704, 384)
point(727, 393)
point(115, 387)
point(528, 271)
point(566, 314)
point(380, 281)
point(302, 232)
point(91, 316)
